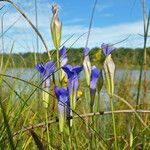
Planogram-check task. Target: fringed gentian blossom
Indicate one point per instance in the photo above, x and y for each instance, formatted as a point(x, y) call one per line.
point(107, 49)
point(92, 75)
point(87, 65)
point(62, 95)
point(63, 56)
point(63, 61)
point(95, 74)
point(45, 72)
point(72, 74)
point(109, 67)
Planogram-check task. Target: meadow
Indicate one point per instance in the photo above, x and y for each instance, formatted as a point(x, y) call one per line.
point(75, 98)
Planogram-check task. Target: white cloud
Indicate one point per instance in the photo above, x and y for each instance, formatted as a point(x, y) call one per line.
point(102, 7)
point(24, 35)
point(110, 34)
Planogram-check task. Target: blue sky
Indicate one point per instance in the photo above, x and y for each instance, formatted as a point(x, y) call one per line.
point(113, 21)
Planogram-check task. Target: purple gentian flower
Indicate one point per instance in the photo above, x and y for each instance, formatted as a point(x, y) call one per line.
point(45, 71)
point(95, 73)
point(107, 49)
point(62, 95)
point(72, 74)
point(86, 51)
point(63, 56)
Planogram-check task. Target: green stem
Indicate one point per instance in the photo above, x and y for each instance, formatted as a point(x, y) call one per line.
point(58, 66)
point(92, 121)
point(46, 116)
point(114, 125)
point(62, 141)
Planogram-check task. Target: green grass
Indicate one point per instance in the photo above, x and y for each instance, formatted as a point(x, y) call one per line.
point(26, 124)
point(21, 112)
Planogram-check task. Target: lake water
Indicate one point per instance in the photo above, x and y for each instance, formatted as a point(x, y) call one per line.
point(27, 73)
point(32, 75)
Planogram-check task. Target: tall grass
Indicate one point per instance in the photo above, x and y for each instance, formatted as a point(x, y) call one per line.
point(26, 124)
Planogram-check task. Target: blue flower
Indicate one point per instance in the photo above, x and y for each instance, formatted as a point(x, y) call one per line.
point(95, 73)
point(45, 70)
point(63, 62)
point(86, 51)
point(107, 49)
point(63, 56)
point(62, 95)
point(72, 74)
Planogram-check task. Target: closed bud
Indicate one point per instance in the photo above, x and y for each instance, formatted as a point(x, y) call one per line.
point(87, 69)
point(109, 68)
point(56, 27)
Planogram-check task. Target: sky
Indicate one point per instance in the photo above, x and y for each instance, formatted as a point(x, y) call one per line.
point(114, 21)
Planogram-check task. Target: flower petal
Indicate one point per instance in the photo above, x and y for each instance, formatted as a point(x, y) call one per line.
point(107, 49)
point(40, 67)
point(78, 69)
point(86, 51)
point(95, 73)
point(68, 69)
point(50, 68)
point(63, 56)
point(62, 95)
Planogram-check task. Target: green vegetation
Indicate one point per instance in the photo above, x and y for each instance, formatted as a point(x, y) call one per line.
point(123, 58)
point(68, 113)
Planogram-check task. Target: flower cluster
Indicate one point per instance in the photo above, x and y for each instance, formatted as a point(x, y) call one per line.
point(67, 87)
point(67, 96)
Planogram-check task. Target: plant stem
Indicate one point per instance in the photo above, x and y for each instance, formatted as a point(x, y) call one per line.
point(145, 53)
point(47, 126)
point(62, 141)
point(58, 66)
point(92, 120)
point(113, 118)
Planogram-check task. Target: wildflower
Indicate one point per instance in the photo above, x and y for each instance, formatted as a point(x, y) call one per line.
point(107, 49)
point(63, 62)
point(87, 65)
point(45, 72)
point(63, 56)
point(95, 73)
point(56, 27)
point(109, 68)
point(72, 74)
point(62, 95)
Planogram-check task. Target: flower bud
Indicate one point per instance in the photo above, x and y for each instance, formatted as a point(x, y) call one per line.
point(56, 27)
point(87, 69)
point(109, 68)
